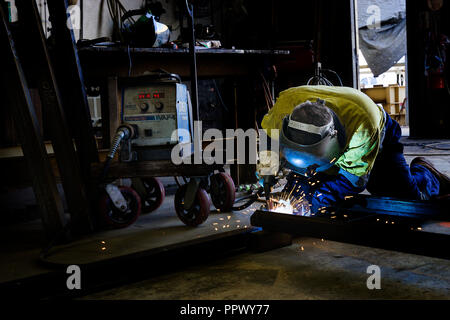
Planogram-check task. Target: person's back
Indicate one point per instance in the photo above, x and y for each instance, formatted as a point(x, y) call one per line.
point(361, 118)
point(317, 122)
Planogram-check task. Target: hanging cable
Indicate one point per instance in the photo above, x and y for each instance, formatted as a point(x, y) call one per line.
point(320, 79)
point(116, 11)
point(130, 63)
point(267, 94)
point(336, 74)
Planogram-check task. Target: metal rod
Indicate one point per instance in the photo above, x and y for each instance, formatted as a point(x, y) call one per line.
point(193, 57)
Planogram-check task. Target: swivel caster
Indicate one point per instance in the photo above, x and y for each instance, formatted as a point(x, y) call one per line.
point(222, 191)
point(198, 211)
point(125, 209)
point(152, 193)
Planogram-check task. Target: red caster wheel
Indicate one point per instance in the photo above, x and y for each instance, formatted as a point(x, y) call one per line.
point(153, 195)
point(199, 211)
point(222, 191)
point(116, 218)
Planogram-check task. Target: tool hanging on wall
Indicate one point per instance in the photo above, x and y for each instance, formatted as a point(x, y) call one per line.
point(153, 108)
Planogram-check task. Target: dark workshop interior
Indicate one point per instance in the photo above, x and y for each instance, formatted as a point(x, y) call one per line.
point(100, 96)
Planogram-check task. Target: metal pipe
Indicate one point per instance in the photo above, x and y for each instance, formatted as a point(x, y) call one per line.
point(193, 57)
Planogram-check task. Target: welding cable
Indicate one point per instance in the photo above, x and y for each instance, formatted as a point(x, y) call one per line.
point(123, 133)
point(130, 63)
point(320, 79)
point(116, 142)
point(161, 74)
point(116, 11)
point(252, 199)
point(250, 195)
point(336, 74)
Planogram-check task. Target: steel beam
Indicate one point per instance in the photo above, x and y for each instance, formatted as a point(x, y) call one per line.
point(392, 229)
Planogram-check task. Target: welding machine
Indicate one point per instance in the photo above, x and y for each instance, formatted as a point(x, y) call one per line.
point(156, 115)
point(154, 107)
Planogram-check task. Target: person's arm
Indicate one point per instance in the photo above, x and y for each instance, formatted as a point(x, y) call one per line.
point(323, 193)
point(331, 192)
point(358, 159)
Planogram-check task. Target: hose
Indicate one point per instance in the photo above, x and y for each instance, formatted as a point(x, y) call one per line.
point(122, 133)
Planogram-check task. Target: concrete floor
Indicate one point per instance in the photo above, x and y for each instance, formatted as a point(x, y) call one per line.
point(21, 244)
point(308, 269)
point(321, 270)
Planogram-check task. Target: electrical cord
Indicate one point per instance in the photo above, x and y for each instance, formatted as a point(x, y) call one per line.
point(130, 65)
point(252, 199)
point(336, 74)
point(320, 79)
point(116, 11)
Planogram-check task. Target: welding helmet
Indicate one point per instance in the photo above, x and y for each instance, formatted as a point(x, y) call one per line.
point(318, 155)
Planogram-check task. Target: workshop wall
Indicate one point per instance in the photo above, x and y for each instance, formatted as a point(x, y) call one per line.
point(97, 21)
point(311, 30)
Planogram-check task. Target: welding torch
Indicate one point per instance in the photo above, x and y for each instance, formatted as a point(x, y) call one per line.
point(267, 169)
point(268, 182)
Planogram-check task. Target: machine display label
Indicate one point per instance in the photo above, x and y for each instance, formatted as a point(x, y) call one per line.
point(154, 95)
point(156, 117)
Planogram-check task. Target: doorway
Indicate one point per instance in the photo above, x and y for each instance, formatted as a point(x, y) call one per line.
point(382, 63)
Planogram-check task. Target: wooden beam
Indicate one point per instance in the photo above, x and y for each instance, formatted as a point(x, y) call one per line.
point(71, 83)
point(33, 40)
point(44, 185)
point(113, 106)
point(155, 168)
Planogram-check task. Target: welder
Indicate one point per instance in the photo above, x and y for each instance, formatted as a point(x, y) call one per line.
point(338, 142)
